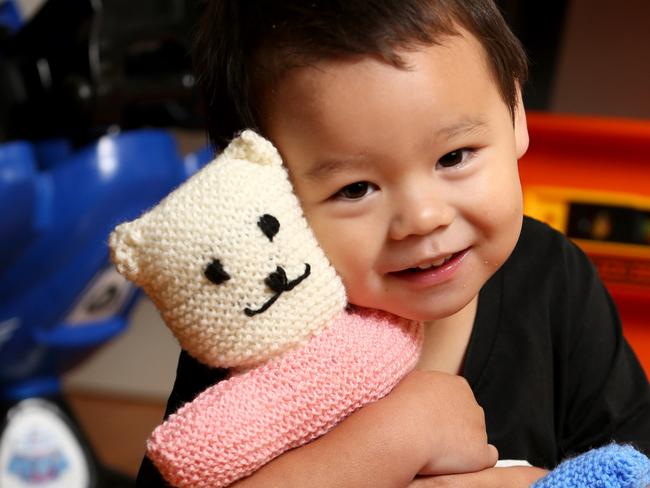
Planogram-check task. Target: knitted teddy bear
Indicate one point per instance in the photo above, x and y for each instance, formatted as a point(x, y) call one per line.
point(237, 275)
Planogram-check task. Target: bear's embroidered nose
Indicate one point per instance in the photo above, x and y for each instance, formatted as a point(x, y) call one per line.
point(277, 281)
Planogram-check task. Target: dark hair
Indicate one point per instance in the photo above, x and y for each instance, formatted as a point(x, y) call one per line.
point(243, 46)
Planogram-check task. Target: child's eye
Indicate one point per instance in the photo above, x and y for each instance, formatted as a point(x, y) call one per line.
point(355, 191)
point(454, 158)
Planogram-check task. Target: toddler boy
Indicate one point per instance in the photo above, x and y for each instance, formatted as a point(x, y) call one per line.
point(401, 124)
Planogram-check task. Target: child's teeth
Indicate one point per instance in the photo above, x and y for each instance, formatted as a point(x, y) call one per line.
point(439, 262)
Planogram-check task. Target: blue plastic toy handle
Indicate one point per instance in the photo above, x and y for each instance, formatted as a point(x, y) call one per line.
point(60, 298)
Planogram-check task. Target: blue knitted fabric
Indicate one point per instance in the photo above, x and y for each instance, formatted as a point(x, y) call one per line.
point(611, 466)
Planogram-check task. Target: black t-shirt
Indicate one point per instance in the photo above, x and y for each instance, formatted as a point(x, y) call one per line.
point(547, 360)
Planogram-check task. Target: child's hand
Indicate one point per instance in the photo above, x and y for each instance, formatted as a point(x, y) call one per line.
point(446, 425)
point(515, 477)
point(430, 423)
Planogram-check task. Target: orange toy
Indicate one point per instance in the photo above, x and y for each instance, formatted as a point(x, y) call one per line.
point(590, 178)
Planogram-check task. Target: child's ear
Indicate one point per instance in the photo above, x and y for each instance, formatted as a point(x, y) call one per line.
point(521, 127)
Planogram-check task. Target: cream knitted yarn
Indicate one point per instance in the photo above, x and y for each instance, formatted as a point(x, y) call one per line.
point(230, 261)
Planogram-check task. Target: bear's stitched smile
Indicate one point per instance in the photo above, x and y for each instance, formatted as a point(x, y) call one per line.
point(277, 281)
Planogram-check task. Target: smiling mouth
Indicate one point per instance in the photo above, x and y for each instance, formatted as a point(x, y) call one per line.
point(431, 266)
point(277, 281)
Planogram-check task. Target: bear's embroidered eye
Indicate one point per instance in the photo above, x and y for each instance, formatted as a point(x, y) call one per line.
point(215, 272)
point(269, 225)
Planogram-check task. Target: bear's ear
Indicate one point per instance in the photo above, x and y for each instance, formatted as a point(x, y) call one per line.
point(252, 147)
point(125, 243)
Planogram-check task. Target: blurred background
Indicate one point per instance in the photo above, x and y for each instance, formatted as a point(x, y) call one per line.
point(73, 73)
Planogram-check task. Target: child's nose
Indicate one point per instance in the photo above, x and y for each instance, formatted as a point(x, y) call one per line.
point(420, 213)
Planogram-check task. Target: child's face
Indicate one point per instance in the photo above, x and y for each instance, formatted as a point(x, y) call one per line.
point(399, 170)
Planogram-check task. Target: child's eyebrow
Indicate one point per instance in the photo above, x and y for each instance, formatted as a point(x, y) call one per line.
point(463, 126)
point(329, 167)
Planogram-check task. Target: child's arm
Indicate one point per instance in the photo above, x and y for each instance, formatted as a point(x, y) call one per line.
point(513, 477)
point(612, 466)
point(388, 442)
point(384, 443)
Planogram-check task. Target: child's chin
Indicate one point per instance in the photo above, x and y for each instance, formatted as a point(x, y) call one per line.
point(410, 314)
point(429, 314)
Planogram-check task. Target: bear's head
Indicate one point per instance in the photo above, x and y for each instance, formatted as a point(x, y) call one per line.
point(230, 261)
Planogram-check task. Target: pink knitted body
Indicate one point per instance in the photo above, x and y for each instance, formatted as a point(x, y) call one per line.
point(236, 426)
